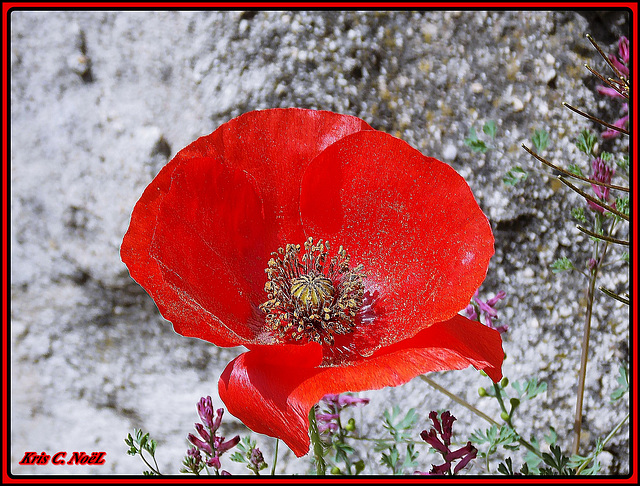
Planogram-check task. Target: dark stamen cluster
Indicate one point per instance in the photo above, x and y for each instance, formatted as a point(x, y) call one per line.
point(310, 297)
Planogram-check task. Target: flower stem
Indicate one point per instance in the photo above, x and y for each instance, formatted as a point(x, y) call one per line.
point(457, 399)
point(275, 458)
point(604, 442)
point(577, 425)
point(156, 470)
point(315, 441)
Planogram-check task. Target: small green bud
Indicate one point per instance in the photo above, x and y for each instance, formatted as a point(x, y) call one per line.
point(483, 373)
point(351, 425)
point(514, 402)
point(504, 416)
point(482, 392)
point(504, 382)
point(335, 470)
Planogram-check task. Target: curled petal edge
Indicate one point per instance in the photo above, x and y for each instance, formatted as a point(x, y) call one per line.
point(272, 389)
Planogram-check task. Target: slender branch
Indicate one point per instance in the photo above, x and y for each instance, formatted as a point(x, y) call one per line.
point(597, 120)
point(613, 83)
point(571, 174)
point(604, 442)
point(585, 353)
point(613, 295)
point(457, 399)
point(606, 58)
point(593, 199)
point(602, 237)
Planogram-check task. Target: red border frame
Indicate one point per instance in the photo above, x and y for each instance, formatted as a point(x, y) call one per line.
point(7, 7)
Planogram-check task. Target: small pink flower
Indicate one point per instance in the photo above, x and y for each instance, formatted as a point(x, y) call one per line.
point(601, 172)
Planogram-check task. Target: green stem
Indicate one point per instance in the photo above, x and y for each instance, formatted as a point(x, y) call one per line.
point(156, 469)
point(604, 442)
point(275, 458)
point(341, 438)
point(498, 392)
point(315, 441)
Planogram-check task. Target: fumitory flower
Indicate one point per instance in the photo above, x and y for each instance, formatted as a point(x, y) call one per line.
point(329, 420)
point(601, 172)
point(621, 63)
point(338, 255)
point(439, 437)
point(487, 309)
point(209, 442)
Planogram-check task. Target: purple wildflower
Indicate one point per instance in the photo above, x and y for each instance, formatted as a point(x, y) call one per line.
point(195, 453)
point(330, 421)
point(620, 123)
point(209, 443)
point(256, 459)
point(443, 427)
point(479, 307)
point(601, 172)
point(621, 63)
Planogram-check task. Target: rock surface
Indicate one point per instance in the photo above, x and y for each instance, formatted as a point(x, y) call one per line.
point(100, 101)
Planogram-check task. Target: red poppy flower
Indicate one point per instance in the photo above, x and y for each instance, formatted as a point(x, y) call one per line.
point(337, 254)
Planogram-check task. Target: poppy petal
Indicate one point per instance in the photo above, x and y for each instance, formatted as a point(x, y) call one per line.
point(174, 248)
point(271, 391)
point(411, 220)
point(209, 247)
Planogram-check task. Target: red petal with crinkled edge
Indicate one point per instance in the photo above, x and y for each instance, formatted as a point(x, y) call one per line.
point(413, 223)
point(272, 390)
point(202, 259)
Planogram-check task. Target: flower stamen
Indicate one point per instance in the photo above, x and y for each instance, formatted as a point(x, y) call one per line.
point(311, 297)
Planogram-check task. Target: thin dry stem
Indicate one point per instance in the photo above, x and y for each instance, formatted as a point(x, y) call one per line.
point(593, 199)
point(597, 120)
point(571, 174)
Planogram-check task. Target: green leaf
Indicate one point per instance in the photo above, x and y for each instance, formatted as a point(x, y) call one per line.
point(606, 156)
point(623, 381)
point(391, 460)
point(561, 264)
point(409, 420)
point(531, 388)
point(557, 461)
point(473, 143)
point(574, 169)
point(238, 457)
point(622, 205)
point(540, 140)
point(586, 142)
point(578, 213)
point(506, 468)
point(623, 164)
point(552, 437)
point(480, 437)
point(490, 129)
point(514, 176)
point(359, 466)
